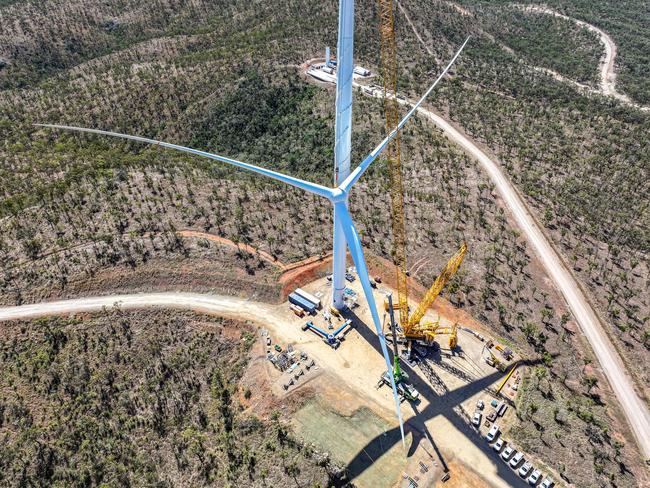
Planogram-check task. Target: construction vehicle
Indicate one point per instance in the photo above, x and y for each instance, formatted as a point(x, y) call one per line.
point(492, 360)
point(411, 327)
point(506, 352)
point(331, 339)
point(414, 329)
point(404, 387)
point(452, 332)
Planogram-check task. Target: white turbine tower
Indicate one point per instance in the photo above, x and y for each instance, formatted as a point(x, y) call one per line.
point(345, 233)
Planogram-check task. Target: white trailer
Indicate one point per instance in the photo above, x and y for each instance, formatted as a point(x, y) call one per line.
point(361, 71)
point(308, 296)
point(322, 76)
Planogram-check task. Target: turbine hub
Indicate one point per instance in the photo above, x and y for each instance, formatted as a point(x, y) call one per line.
point(339, 195)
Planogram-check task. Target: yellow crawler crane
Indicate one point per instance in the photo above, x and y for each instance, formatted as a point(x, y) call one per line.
point(452, 332)
point(413, 329)
point(411, 326)
point(393, 153)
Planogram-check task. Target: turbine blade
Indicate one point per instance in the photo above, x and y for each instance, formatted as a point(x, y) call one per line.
point(304, 185)
point(354, 243)
point(359, 170)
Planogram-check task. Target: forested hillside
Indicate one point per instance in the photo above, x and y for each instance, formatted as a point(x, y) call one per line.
point(582, 162)
point(627, 21)
point(224, 76)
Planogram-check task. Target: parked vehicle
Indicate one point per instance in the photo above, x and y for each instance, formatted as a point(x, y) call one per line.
point(525, 469)
point(492, 416)
point(502, 409)
point(480, 405)
point(547, 482)
point(349, 277)
point(268, 341)
point(476, 420)
point(493, 433)
point(278, 348)
point(507, 453)
point(534, 478)
point(498, 445)
point(516, 459)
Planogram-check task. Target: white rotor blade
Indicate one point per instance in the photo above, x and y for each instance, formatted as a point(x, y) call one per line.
point(354, 243)
point(359, 170)
point(304, 185)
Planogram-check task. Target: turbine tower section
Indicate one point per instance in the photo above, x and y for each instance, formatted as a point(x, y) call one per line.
point(343, 139)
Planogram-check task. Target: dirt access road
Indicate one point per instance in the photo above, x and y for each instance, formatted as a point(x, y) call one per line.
point(356, 365)
point(607, 68)
point(226, 306)
point(636, 411)
point(634, 408)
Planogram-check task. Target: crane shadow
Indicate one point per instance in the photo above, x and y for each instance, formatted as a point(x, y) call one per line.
point(443, 402)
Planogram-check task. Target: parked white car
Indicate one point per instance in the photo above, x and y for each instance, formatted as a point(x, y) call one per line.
point(534, 478)
point(516, 459)
point(547, 482)
point(507, 453)
point(476, 420)
point(493, 433)
point(525, 469)
point(498, 445)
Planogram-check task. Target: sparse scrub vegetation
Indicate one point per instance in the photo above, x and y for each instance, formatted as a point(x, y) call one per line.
point(580, 161)
point(140, 399)
point(83, 214)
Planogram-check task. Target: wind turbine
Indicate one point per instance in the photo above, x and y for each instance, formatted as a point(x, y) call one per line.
point(345, 233)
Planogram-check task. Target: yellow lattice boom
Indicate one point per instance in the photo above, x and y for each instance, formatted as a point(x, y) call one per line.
point(412, 328)
point(389, 75)
point(426, 331)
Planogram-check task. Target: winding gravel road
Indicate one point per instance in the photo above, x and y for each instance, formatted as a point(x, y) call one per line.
point(607, 68)
point(226, 306)
point(607, 72)
point(634, 408)
point(622, 384)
